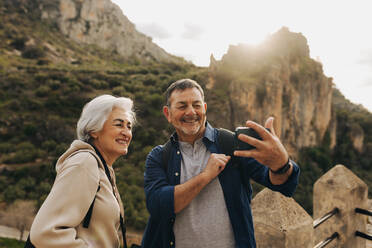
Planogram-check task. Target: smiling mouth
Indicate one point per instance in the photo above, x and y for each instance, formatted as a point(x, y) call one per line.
point(190, 120)
point(122, 141)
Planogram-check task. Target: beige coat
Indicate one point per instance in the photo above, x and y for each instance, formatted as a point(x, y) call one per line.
point(59, 220)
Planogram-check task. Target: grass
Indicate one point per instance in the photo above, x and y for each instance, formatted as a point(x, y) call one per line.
point(11, 243)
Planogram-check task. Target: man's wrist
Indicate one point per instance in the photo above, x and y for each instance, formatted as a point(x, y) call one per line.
point(205, 177)
point(282, 170)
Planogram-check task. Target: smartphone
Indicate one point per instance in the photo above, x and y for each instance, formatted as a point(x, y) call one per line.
point(241, 145)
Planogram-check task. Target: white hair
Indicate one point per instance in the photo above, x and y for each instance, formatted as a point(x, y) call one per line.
point(96, 112)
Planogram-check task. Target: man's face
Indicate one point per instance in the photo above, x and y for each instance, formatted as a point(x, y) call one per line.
point(187, 113)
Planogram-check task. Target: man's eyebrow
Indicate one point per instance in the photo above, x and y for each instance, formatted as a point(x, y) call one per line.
point(182, 102)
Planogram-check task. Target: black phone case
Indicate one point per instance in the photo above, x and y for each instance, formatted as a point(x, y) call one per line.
point(241, 145)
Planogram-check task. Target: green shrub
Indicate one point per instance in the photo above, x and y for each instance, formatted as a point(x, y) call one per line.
point(33, 52)
point(43, 61)
point(11, 243)
point(13, 192)
point(143, 71)
point(19, 43)
point(42, 91)
point(3, 182)
point(41, 77)
point(118, 91)
point(14, 81)
point(25, 152)
point(49, 145)
point(99, 84)
point(54, 84)
point(27, 184)
point(150, 80)
point(43, 188)
point(60, 149)
point(15, 105)
point(32, 104)
point(30, 129)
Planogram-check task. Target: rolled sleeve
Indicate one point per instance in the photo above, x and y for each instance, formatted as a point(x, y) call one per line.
point(159, 193)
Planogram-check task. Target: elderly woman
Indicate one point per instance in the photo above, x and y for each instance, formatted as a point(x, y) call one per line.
point(84, 208)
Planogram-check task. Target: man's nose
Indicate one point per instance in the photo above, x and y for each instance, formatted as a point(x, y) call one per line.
point(190, 110)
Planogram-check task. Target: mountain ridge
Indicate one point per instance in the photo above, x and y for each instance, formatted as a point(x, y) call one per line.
point(277, 78)
point(97, 22)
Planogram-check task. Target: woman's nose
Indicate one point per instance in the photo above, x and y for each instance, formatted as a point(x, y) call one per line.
point(126, 132)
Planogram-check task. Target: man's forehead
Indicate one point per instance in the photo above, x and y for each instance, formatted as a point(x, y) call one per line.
point(189, 94)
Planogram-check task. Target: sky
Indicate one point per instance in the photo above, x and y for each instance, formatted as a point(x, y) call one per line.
point(339, 32)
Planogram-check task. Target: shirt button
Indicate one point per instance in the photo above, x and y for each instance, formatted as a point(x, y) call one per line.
point(171, 243)
point(176, 174)
point(178, 152)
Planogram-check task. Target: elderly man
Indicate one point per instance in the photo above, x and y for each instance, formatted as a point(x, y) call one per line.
point(198, 197)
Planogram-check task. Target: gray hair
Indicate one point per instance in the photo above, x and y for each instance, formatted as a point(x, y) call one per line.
point(96, 112)
point(182, 84)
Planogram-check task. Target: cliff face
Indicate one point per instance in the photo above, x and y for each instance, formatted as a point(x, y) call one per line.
point(102, 23)
point(276, 79)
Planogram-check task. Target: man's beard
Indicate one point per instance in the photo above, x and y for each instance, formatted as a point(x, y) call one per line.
point(196, 124)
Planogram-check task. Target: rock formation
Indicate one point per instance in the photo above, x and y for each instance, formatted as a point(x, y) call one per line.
point(357, 137)
point(278, 79)
point(281, 221)
point(102, 23)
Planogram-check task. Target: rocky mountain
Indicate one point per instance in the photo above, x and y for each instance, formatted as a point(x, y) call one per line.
point(277, 78)
point(98, 22)
point(318, 126)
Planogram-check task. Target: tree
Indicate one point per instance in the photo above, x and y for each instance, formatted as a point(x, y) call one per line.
point(20, 215)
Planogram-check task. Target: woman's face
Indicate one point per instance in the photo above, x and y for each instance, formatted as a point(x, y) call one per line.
point(114, 138)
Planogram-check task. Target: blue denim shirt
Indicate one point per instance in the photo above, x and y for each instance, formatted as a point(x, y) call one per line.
point(159, 189)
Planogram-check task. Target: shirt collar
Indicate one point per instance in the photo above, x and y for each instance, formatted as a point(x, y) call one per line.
point(209, 133)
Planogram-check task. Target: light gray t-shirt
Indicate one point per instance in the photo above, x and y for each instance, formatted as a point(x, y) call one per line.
point(205, 221)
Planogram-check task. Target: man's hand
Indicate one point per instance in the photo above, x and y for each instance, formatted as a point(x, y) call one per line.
point(186, 192)
point(215, 165)
point(269, 151)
